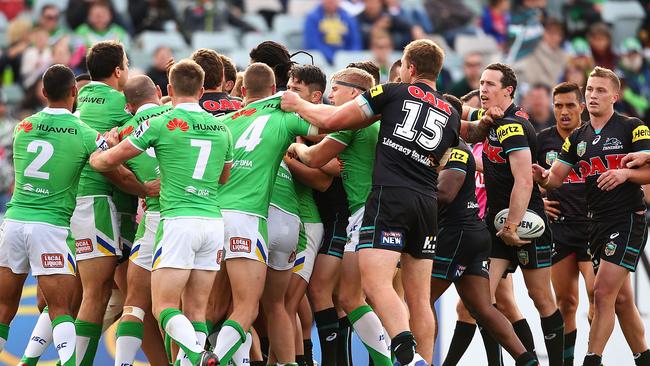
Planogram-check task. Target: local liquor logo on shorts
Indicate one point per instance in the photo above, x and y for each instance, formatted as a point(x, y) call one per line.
point(52, 260)
point(84, 246)
point(240, 245)
point(220, 254)
point(610, 249)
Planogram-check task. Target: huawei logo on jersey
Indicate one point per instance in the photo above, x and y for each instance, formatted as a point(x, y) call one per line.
point(25, 126)
point(125, 132)
point(177, 123)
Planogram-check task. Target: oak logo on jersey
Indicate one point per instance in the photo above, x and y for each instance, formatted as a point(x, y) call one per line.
point(493, 153)
point(640, 133)
point(221, 105)
point(177, 123)
point(511, 129)
point(459, 156)
point(240, 245)
point(596, 165)
point(581, 148)
point(52, 260)
point(25, 126)
point(428, 97)
point(84, 246)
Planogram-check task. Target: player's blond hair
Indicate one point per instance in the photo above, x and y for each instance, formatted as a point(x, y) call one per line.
point(601, 72)
point(186, 78)
point(426, 56)
point(355, 76)
point(258, 80)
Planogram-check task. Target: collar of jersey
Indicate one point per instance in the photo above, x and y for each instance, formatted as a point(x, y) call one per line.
point(278, 94)
point(146, 106)
point(95, 82)
point(190, 107)
point(49, 110)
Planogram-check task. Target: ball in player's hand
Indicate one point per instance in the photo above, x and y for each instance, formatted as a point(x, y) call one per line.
point(531, 226)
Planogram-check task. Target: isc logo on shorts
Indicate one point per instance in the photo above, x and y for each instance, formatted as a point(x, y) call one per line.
point(84, 246)
point(52, 260)
point(240, 245)
point(391, 238)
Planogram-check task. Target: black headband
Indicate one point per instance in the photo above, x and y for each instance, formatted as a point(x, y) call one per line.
point(351, 85)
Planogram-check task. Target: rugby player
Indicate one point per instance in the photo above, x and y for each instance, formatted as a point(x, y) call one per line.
point(194, 151)
point(618, 232)
point(143, 100)
point(356, 151)
point(35, 233)
point(567, 211)
point(404, 219)
point(261, 132)
point(215, 100)
point(508, 150)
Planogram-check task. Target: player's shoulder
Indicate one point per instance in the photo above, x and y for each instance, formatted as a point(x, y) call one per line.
point(546, 134)
point(627, 121)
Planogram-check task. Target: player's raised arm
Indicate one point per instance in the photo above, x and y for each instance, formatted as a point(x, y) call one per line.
point(318, 155)
point(103, 161)
point(349, 116)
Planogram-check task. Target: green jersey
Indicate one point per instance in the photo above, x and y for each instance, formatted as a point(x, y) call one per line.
point(102, 108)
point(50, 150)
point(262, 132)
point(358, 161)
point(307, 206)
point(192, 147)
point(144, 166)
point(284, 193)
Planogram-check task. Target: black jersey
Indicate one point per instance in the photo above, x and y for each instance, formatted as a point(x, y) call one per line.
point(571, 194)
point(510, 133)
point(333, 203)
point(592, 153)
point(464, 209)
point(417, 127)
point(219, 103)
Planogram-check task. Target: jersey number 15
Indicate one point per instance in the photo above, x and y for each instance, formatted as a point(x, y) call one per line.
point(434, 124)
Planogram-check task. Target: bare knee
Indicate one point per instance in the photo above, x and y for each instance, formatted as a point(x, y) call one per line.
point(567, 303)
point(624, 301)
point(605, 297)
point(542, 298)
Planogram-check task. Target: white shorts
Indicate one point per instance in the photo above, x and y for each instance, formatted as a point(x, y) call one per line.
point(95, 228)
point(46, 249)
point(312, 233)
point(188, 243)
point(354, 224)
point(145, 239)
point(246, 236)
point(283, 229)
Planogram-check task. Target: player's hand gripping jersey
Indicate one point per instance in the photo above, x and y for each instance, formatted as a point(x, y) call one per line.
point(592, 153)
point(50, 149)
point(417, 126)
point(261, 132)
point(192, 147)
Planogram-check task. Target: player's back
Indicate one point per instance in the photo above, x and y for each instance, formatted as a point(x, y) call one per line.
point(192, 147)
point(261, 134)
point(50, 149)
point(101, 107)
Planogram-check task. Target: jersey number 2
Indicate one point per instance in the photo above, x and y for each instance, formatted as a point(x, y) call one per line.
point(46, 152)
point(434, 123)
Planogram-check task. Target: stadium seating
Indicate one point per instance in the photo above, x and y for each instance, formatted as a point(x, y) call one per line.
point(223, 42)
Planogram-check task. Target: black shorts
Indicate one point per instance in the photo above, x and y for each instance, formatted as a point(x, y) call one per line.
point(535, 255)
point(571, 239)
point(335, 235)
point(620, 240)
point(461, 251)
point(401, 220)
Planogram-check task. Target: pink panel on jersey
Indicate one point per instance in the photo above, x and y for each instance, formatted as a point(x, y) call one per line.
point(481, 194)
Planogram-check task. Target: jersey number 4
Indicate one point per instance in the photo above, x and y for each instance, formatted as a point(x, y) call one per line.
point(434, 123)
point(45, 151)
point(252, 136)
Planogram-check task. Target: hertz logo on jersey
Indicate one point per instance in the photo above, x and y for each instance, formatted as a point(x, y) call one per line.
point(459, 155)
point(566, 145)
point(640, 133)
point(511, 129)
point(376, 91)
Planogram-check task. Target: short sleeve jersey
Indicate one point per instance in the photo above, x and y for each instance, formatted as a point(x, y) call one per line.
point(192, 147)
point(284, 192)
point(510, 133)
point(592, 153)
point(261, 132)
point(50, 150)
point(144, 166)
point(463, 210)
point(358, 160)
point(417, 127)
point(219, 103)
point(306, 205)
point(102, 108)
point(571, 194)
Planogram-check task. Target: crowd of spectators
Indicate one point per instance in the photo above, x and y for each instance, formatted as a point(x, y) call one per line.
point(544, 46)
